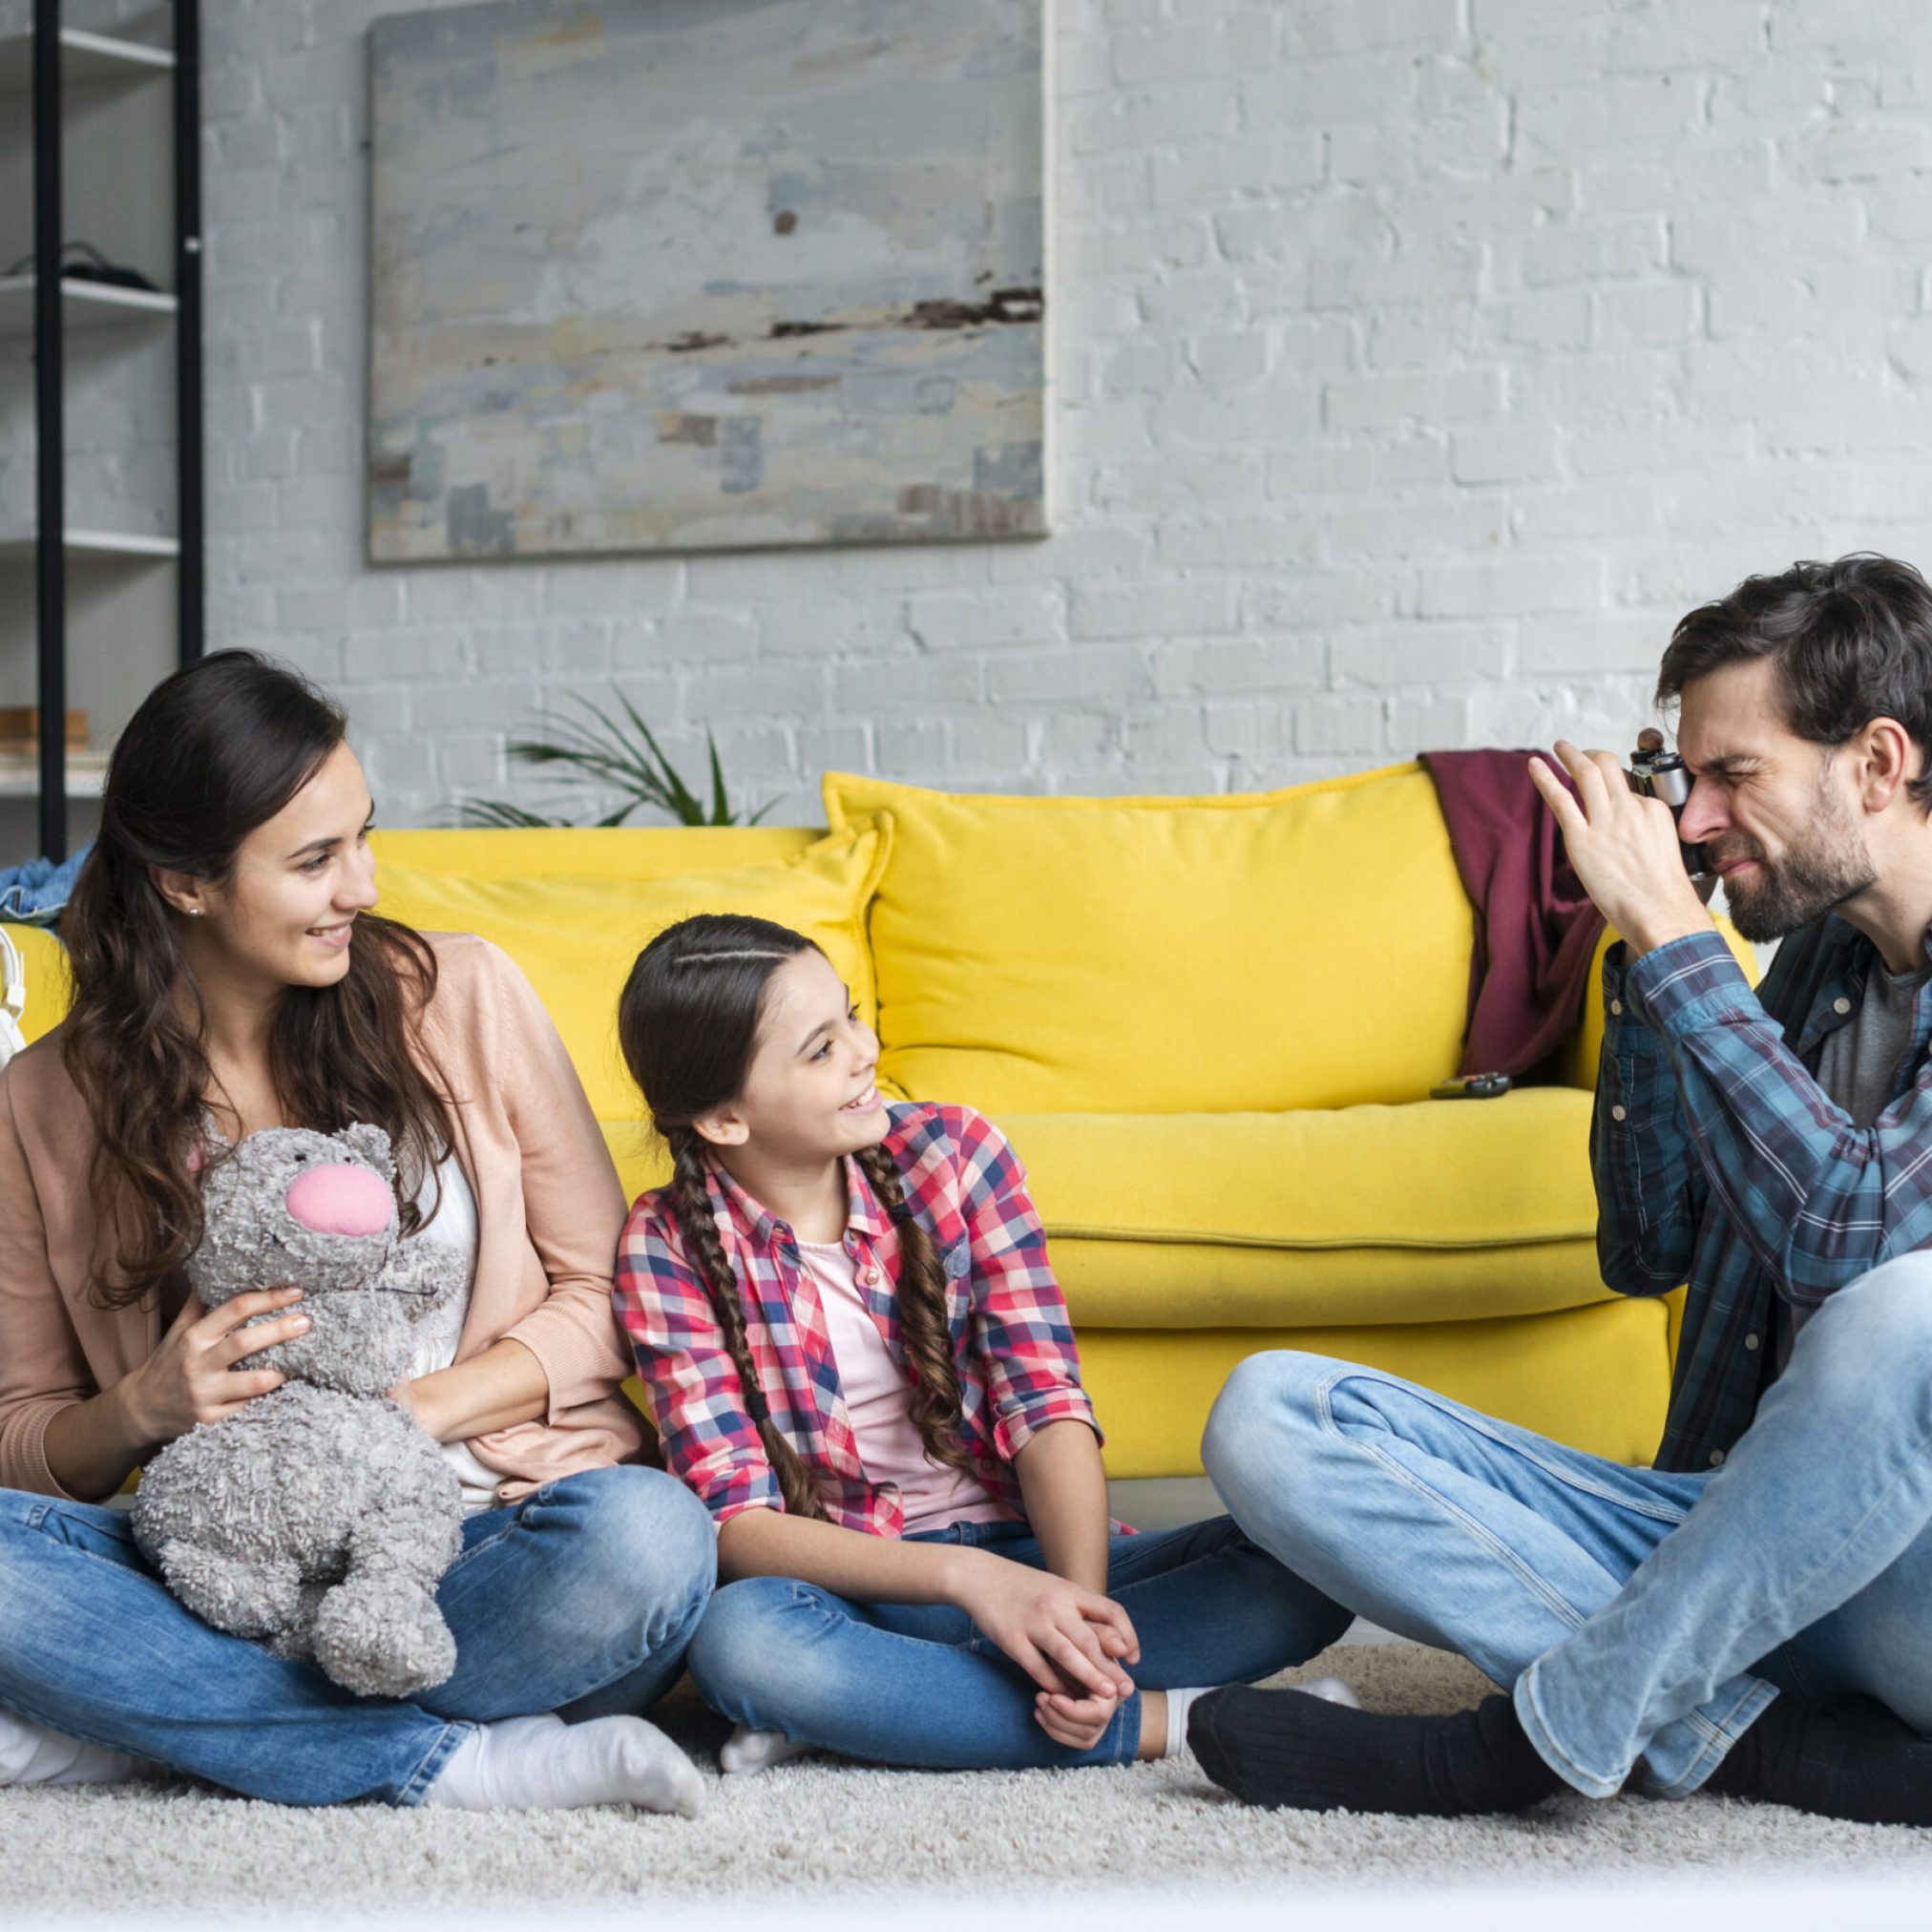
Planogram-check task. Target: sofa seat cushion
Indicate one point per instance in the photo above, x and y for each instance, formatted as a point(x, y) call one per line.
point(1438, 1210)
point(1240, 953)
point(1443, 1212)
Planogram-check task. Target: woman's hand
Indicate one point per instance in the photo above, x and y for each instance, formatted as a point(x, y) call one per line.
point(1064, 1638)
point(191, 1378)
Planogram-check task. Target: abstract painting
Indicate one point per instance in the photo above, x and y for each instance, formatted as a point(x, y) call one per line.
point(669, 275)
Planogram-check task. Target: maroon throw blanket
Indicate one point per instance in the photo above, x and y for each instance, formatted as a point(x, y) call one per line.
point(1536, 929)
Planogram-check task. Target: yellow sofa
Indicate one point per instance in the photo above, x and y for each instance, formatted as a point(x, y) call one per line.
point(1210, 1026)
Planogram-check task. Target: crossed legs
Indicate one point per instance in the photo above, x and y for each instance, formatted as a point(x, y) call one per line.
point(1640, 1616)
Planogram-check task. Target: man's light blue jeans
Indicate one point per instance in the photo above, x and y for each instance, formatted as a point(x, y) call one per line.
point(579, 1599)
point(1638, 1615)
point(917, 1683)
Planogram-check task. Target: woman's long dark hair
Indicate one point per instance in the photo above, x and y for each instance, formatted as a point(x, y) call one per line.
point(214, 752)
point(688, 1023)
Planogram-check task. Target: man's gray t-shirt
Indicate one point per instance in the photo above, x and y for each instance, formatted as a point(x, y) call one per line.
point(1858, 1071)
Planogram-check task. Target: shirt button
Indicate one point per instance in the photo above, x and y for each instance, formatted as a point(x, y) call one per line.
point(1842, 1005)
point(1750, 1341)
point(1619, 1114)
point(1617, 1008)
point(870, 1278)
point(1717, 1457)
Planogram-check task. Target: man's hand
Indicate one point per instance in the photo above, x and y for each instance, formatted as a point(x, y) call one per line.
point(1625, 849)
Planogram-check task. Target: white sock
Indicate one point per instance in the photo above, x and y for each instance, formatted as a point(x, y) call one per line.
point(544, 1764)
point(747, 1751)
point(32, 1754)
point(1179, 1704)
point(1329, 1690)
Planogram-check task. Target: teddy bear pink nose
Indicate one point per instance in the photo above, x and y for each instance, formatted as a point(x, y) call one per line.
point(341, 1200)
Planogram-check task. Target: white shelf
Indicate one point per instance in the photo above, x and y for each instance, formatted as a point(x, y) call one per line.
point(83, 305)
point(83, 544)
point(83, 57)
point(86, 771)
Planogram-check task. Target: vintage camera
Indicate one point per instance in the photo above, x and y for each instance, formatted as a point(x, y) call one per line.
point(1657, 774)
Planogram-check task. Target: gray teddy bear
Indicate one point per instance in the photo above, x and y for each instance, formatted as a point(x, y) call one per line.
point(319, 1518)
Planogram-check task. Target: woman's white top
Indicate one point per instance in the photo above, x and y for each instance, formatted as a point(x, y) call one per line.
point(454, 1226)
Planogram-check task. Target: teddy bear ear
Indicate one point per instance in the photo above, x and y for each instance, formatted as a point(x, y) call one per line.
point(371, 1145)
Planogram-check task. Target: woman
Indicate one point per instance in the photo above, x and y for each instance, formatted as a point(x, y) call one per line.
point(229, 974)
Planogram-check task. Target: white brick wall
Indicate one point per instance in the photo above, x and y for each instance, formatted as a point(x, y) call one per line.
point(1417, 362)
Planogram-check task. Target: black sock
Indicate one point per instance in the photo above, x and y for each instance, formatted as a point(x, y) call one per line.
point(1279, 1748)
point(1852, 1760)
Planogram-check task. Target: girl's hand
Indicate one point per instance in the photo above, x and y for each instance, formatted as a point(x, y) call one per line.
point(191, 1378)
point(1078, 1723)
point(1060, 1635)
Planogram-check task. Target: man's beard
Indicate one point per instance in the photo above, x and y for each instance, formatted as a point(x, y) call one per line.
point(1828, 868)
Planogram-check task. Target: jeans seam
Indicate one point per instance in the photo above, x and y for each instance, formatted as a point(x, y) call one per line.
point(1723, 1732)
point(1657, 1511)
point(1477, 1532)
point(431, 1766)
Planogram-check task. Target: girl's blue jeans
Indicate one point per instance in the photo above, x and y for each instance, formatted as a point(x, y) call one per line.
point(1640, 1616)
point(579, 1599)
point(917, 1683)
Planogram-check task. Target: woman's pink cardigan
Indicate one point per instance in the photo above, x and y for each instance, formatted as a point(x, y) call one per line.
point(549, 1211)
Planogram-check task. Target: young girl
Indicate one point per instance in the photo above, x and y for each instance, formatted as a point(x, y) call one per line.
point(856, 1356)
point(230, 974)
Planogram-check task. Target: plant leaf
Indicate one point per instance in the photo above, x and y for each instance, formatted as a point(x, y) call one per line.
point(617, 752)
point(500, 815)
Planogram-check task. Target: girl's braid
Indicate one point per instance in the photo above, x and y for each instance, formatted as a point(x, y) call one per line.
point(935, 1405)
point(691, 1203)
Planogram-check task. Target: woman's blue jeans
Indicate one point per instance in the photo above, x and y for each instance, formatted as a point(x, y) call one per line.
point(917, 1683)
point(580, 1599)
point(1640, 1616)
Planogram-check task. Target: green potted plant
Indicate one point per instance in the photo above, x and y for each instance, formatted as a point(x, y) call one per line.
point(614, 753)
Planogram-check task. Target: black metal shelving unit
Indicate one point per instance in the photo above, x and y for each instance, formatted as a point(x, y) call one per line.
point(50, 46)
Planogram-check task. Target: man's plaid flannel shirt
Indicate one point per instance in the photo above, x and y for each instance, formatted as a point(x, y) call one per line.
point(1012, 1340)
point(1720, 1161)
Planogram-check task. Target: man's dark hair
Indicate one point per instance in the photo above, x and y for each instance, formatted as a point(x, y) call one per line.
point(1851, 641)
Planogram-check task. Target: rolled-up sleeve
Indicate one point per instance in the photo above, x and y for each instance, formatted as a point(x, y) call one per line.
point(1650, 1194)
point(1023, 1333)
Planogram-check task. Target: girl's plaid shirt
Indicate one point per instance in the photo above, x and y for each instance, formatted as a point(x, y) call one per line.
point(1011, 1339)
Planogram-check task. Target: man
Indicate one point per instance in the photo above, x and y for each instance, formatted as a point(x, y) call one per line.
point(1754, 1614)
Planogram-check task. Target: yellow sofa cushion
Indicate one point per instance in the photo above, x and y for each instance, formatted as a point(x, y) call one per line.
point(632, 853)
point(1307, 948)
point(50, 985)
point(577, 937)
point(1236, 1220)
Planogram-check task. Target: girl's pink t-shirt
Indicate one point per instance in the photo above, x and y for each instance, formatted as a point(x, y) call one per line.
point(876, 1400)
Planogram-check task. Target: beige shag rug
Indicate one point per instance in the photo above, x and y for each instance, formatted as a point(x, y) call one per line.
point(827, 1829)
